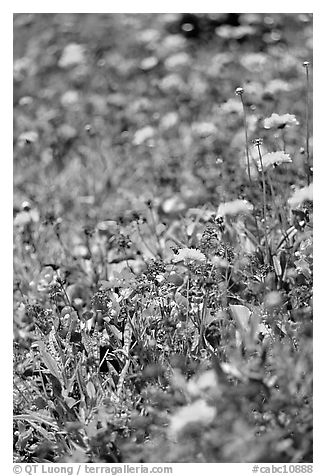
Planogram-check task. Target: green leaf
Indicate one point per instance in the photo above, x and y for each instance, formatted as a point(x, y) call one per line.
point(91, 390)
point(241, 315)
point(49, 362)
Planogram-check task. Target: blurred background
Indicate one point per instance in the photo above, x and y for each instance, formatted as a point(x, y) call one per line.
point(110, 109)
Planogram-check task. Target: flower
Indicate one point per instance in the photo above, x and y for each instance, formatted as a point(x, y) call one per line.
point(172, 82)
point(204, 129)
point(143, 135)
point(301, 195)
point(189, 254)
point(234, 32)
point(29, 137)
point(73, 54)
point(69, 98)
point(46, 279)
point(204, 384)
point(149, 63)
point(277, 85)
point(176, 61)
point(197, 412)
point(275, 158)
point(231, 106)
point(254, 62)
point(234, 207)
point(279, 122)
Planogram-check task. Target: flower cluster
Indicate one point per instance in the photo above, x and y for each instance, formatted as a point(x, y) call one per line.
point(189, 255)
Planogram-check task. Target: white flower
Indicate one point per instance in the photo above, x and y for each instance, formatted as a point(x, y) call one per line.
point(172, 43)
point(301, 195)
point(169, 120)
point(254, 61)
point(197, 412)
point(234, 207)
point(149, 63)
point(275, 158)
point(277, 85)
point(142, 135)
point(228, 32)
point(149, 36)
point(204, 129)
point(177, 60)
point(189, 254)
point(172, 82)
point(230, 106)
point(69, 98)
point(204, 384)
point(279, 122)
point(28, 137)
point(72, 55)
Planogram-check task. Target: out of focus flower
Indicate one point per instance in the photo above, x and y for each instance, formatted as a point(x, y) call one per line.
point(273, 299)
point(204, 129)
point(26, 217)
point(277, 85)
point(22, 67)
point(301, 195)
point(189, 254)
point(177, 60)
point(171, 44)
point(172, 82)
point(149, 63)
point(279, 122)
point(72, 55)
point(142, 135)
point(254, 61)
point(232, 105)
point(67, 132)
point(205, 383)
point(29, 137)
point(275, 158)
point(197, 412)
point(149, 36)
point(234, 207)
point(254, 90)
point(69, 98)
point(231, 32)
point(46, 279)
point(169, 120)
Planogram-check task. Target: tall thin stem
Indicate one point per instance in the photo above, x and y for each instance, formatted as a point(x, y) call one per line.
point(306, 65)
point(239, 92)
point(284, 142)
point(246, 134)
point(258, 144)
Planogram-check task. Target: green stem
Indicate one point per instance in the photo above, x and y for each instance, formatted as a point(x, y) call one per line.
point(264, 203)
point(247, 153)
point(246, 135)
point(307, 124)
